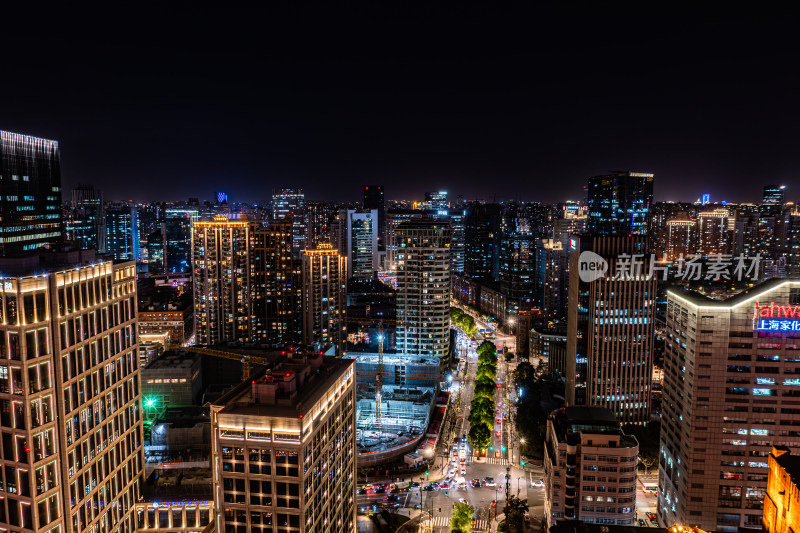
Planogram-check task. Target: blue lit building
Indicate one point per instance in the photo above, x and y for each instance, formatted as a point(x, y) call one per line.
point(619, 203)
point(30, 193)
point(122, 232)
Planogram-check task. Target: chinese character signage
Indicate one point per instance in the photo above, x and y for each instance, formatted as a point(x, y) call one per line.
point(771, 317)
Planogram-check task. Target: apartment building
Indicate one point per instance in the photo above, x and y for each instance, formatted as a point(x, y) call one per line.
point(70, 403)
point(590, 468)
point(284, 449)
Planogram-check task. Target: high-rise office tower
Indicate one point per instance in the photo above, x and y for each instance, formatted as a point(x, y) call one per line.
point(177, 238)
point(589, 468)
point(423, 288)
point(229, 266)
point(791, 236)
point(291, 203)
point(551, 276)
point(610, 328)
point(394, 218)
point(774, 195)
point(517, 261)
point(284, 449)
point(319, 216)
point(436, 200)
point(87, 220)
point(619, 203)
point(731, 391)
point(482, 242)
point(714, 232)
point(374, 199)
point(355, 233)
point(30, 186)
point(122, 230)
point(324, 296)
point(70, 407)
point(680, 239)
point(282, 284)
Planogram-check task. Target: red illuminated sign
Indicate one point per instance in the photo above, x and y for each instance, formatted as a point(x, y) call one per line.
point(776, 311)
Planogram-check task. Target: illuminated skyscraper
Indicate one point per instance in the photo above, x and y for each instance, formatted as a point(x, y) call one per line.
point(551, 276)
point(284, 449)
point(291, 203)
point(282, 284)
point(228, 284)
point(680, 239)
point(482, 242)
point(774, 195)
point(30, 188)
point(122, 230)
point(619, 203)
point(731, 392)
point(87, 221)
point(714, 232)
point(355, 233)
point(324, 296)
point(423, 288)
point(72, 456)
point(610, 329)
point(436, 200)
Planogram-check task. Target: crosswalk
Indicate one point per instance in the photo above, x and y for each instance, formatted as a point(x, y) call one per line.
point(444, 521)
point(497, 461)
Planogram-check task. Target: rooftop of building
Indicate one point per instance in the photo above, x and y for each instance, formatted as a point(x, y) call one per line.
point(49, 260)
point(574, 420)
point(173, 359)
point(579, 526)
point(287, 388)
point(790, 463)
point(744, 296)
point(156, 298)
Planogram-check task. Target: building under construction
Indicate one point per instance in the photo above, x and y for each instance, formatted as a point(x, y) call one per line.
point(407, 399)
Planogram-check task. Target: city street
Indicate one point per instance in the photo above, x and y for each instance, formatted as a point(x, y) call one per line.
point(502, 458)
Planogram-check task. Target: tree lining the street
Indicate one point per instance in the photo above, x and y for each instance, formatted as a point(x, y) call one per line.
point(461, 518)
point(531, 417)
point(463, 321)
point(514, 521)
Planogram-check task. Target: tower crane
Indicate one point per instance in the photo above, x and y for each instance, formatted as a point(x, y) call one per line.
point(246, 360)
point(379, 375)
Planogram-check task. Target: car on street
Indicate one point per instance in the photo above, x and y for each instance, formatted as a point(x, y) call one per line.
point(362, 490)
point(463, 471)
point(539, 483)
point(393, 498)
point(642, 523)
point(476, 483)
point(428, 487)
point(462, 485)
point(462, 500)
point(379, 490)
point(444, 485)
point(489, 482)
point(651, 516)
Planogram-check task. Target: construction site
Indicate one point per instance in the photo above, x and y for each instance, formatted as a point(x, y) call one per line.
point(394, 407)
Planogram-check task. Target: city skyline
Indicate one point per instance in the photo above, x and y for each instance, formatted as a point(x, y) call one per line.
point(522, 103)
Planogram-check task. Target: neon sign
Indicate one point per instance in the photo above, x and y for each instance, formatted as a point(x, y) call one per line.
point(778, 324)
point(776, 311)
point(772, 317)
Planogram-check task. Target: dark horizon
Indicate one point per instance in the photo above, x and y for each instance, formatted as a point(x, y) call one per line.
point(483, 101)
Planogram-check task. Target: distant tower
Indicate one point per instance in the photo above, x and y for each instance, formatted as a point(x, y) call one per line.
point(228, 296)
point(423, 288)
point(324, 296)
point(288, 203)
point(774, 195)
point(374, 199)
point(619, 203)
point(30, 188)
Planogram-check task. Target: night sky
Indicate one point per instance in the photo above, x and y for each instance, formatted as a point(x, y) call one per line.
point(487, 102)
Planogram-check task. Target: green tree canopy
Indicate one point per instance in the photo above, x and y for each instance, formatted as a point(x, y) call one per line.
point(487, 370)
point(479, 436)
point(484, 386)
point(461, 519)
point(515, 511)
